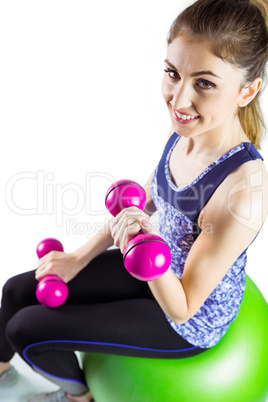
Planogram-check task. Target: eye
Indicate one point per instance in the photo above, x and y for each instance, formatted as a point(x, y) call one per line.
point(204, 84)
point(172, 73)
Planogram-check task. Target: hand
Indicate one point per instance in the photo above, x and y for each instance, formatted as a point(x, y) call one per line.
point(127, 224)
point(57, 263)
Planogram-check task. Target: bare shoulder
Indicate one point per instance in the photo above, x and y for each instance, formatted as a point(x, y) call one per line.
point(243, 196)
point(251, 176)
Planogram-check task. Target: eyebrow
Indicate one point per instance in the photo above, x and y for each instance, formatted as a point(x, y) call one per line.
point(195, 74)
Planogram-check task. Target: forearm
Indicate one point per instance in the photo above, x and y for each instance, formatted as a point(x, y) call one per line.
point(68, 265)
point(95, 246)
point(169, 293)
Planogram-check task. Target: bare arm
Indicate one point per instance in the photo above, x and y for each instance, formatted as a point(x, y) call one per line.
point(235, 220)
point(95, 246)
point(102, 240)
point(68, 265)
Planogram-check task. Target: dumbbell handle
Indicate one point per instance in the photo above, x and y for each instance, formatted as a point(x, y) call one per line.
point(51, 291)
point(146, 256)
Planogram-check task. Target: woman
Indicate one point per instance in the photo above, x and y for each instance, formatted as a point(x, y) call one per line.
point(204, 188)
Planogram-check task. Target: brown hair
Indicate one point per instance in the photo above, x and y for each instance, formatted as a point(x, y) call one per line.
point(237, 31)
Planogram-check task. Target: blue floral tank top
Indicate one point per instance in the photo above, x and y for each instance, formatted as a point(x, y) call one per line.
point(179, 209)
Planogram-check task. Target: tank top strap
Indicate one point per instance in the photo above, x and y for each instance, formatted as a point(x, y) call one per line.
point(207, 185)
point(192, 199)
point(162, 183)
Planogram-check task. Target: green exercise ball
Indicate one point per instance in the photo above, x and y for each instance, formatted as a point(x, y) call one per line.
point(235, 370)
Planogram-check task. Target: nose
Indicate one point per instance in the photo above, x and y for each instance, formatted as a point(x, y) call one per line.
point(182, 96)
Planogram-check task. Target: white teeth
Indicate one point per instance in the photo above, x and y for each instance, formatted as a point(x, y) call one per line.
point(185, 117)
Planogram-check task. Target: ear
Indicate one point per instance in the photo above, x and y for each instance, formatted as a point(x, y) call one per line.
point(249, 91)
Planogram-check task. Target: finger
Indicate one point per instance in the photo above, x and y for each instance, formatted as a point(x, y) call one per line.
point(132, 230)
point(129, 216)
point(117, 217)
point(129, 233)
point(43, 270)
point(122, 225)
point(41, 264)
point(46, 265)
point(126, 221)
point(40, 272)
point(121, 228)
point(133, 210)
point(146, 225)
point(116, 223)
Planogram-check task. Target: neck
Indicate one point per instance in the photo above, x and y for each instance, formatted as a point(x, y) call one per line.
point(215, 142)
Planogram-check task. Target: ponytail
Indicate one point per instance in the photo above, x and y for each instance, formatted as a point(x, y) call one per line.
point(251, 117)
point(252, 122)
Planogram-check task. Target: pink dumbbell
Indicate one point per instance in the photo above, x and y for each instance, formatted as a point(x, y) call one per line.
point(51, 290)
point(146, 257)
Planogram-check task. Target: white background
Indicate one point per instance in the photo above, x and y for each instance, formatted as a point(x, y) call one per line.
point(81, 107)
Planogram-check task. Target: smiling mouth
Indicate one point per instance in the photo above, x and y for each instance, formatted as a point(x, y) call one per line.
point(184, 118)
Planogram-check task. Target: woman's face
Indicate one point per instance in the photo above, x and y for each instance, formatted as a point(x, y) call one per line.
point(201, 90)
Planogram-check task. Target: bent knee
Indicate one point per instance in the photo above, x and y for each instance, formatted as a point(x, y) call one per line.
point(21, 329)
point(19, 291)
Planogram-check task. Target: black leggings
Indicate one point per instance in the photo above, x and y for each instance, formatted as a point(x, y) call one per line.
point(107, 311)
